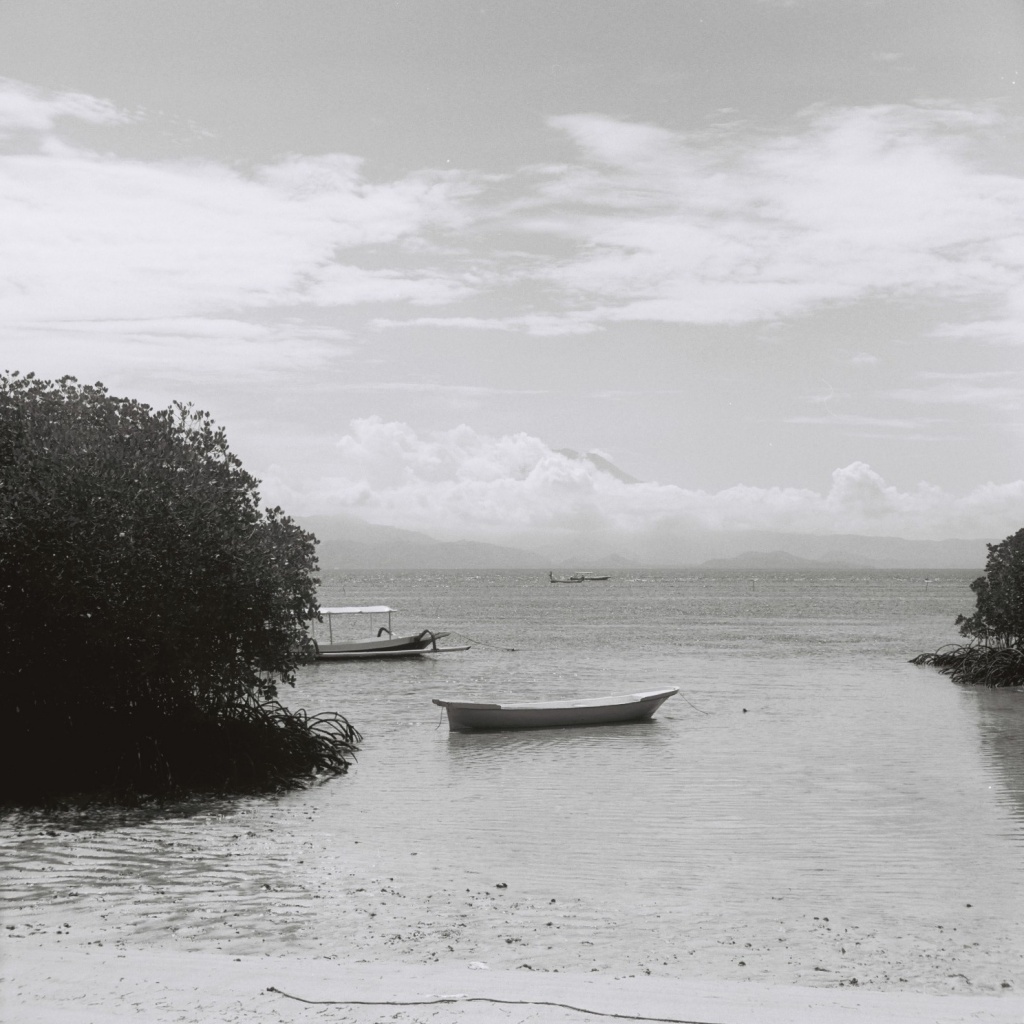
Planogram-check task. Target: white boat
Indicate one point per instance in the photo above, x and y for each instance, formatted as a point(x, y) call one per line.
point(630, 707)
point(383, 644)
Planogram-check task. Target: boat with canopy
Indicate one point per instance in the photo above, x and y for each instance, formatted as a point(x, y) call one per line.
point(382, 644)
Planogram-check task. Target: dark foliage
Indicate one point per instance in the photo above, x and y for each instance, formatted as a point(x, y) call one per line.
point(994, 655)
point(149, 608)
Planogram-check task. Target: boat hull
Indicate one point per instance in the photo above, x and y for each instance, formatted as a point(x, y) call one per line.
point(385, 647)
point(464, 716)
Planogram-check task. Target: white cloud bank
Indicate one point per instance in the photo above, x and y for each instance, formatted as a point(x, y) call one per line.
point(463, 484)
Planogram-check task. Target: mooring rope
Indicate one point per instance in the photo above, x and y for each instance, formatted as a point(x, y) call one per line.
point(482, 643)
point(694, 706)
point(484, 999)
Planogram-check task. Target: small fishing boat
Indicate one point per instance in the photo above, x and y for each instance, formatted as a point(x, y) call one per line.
point(630, 707)
point(564, 579)
point(587, 577)
point(384, 644)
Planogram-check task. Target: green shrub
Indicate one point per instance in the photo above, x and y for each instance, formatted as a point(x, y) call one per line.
point(149, 608)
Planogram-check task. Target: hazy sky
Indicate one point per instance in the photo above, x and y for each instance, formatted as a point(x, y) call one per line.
point(766, 257)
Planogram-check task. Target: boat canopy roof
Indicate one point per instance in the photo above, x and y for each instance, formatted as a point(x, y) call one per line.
point(373, 609)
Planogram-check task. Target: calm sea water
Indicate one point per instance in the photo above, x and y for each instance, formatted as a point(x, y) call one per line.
point(808, 801)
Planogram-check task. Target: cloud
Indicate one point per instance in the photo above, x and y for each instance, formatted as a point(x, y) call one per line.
point(724, 226)
point(139, 356)
point(535, 324)
point(735, 227)
point(23, 109)
point(849, 420)
point(460, 483)
point(91, 236)
point(1001, 390)
point(1007, 330)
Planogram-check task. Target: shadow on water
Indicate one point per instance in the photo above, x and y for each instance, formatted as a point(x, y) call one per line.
point(104, 816)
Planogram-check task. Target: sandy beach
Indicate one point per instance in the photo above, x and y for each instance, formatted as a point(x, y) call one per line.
point(48, 981)
point(191, 921)
point(108, 958)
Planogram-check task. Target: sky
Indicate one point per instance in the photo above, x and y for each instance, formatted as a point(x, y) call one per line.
point(764, 256)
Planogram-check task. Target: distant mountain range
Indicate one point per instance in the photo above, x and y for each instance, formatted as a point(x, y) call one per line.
point(347, 542)
point(772, 561)
point(842, 550)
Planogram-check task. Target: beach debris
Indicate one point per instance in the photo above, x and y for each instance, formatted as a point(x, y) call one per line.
point(478, 965)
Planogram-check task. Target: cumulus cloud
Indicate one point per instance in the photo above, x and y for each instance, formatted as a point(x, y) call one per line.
point(460, 483)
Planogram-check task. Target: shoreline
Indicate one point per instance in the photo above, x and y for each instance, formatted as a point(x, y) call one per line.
point(199, 935)
point(45, 982)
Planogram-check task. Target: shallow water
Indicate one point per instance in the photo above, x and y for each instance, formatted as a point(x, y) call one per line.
point(810, 808)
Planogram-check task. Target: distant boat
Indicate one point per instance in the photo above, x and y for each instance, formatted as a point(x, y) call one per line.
point(631, 707)
point(576, 577)
point(383, 645)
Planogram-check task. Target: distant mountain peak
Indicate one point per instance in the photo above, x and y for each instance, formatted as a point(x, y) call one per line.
point(599, 462)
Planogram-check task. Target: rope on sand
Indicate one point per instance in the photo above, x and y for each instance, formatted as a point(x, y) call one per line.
point(482, 999)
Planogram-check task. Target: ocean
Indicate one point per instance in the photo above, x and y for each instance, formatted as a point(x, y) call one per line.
point(809, 809)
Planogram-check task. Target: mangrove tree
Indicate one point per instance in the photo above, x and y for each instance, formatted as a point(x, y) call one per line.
point(149, 606)
point(994, 652)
